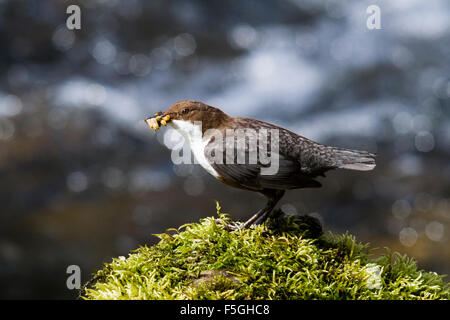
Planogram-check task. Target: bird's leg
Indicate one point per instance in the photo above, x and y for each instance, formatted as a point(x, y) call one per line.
point(262, 218)
point(235, 226)
point(273, 200)
point(273, 197)
point(260, 214)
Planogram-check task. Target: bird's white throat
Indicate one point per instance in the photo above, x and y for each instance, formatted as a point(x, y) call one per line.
point(192, 133)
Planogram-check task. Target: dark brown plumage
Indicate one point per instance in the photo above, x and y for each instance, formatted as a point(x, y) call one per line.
point(300, 160)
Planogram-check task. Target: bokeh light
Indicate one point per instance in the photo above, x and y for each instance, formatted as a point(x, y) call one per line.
point(84, 179)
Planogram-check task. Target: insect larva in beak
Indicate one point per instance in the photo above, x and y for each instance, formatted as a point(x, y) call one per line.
point(155, 124)
point(152, 123)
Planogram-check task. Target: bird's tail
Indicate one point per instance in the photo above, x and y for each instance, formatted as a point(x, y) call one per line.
point(354, 159)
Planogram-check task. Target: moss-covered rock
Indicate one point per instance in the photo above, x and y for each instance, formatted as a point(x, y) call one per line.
point(287, 258)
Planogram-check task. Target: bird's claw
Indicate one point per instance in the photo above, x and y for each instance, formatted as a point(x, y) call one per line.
point(232, 226)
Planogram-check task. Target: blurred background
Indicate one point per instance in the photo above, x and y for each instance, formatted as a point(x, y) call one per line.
point(82, 179)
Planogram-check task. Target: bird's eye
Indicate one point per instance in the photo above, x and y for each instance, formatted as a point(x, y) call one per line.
point(185, 111)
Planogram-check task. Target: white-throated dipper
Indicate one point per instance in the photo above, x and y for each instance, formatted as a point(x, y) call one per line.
point(256, 155)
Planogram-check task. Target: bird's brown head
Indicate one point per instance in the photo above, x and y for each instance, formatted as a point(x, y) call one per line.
point(189, 110)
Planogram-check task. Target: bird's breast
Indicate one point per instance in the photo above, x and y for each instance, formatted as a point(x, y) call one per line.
point(192, 133)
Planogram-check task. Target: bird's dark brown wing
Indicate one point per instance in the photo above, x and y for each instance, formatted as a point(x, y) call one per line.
point(249, 175)
point(300, 159)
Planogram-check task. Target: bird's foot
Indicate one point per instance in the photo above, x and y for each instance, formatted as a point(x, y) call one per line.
point(232, 226)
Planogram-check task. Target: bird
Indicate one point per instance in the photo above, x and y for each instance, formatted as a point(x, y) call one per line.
point(299, 160)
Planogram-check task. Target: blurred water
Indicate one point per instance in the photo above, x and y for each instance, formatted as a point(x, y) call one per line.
point(288, 73)
point(83, 179)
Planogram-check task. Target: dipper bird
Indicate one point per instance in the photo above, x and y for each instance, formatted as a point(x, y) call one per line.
point(298, 160)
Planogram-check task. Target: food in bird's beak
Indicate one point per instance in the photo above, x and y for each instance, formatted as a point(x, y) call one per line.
point(164, 120)
point(154, 122)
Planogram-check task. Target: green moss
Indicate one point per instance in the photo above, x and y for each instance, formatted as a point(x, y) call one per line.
point(283, 259)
